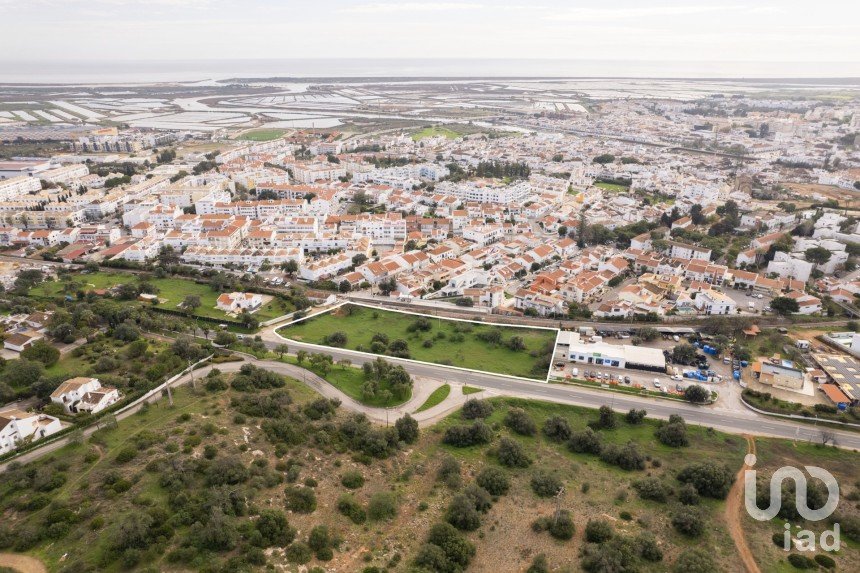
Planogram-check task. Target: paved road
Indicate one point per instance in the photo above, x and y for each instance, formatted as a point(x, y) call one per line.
point(737, 422)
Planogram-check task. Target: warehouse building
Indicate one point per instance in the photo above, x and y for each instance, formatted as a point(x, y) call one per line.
point(616, 355)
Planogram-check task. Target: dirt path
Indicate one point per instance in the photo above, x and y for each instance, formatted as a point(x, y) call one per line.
point(22, 563)
point(734, 517)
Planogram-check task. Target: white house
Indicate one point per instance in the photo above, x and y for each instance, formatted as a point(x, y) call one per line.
point(239, 302)
point(714, 302)
point(17, 426)
point(84, 395)
point(18, 341)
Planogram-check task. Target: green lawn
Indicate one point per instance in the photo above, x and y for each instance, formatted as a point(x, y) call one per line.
point(453, 343)
point(262, 134)
point(436, 398)
point(612, 186)
point(471, 390)
point(172, 291)
point(435, 131)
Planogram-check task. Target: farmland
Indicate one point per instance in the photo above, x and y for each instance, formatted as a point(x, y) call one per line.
point(454, 343)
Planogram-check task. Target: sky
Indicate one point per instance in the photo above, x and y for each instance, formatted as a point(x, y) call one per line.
point(659, 30)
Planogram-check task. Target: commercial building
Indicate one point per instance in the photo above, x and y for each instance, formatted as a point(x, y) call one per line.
point(603, 354)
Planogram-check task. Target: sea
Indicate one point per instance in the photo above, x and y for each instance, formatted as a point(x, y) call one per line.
point(115, 72)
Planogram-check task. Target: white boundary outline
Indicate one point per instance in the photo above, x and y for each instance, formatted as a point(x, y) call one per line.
point(460, 368)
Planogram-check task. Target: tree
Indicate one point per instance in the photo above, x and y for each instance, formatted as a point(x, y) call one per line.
point(817, 255)
point(407, 429)
point(604, 158)
point(634, 417)
point(344, 286)
point(684, 353)
point(22, 372)
point(291, 267)
point(191, 303)
point(274, 529)
point(445, 551)
point(697, 394)
point(281, 349)
point(41, 351)
point(383, 505)
point(607, 418)
point(652, 488)
point(673, 433)
point(387, 286)
point(557, 429)
point(585, 442)
point(474, 408)
point(784, 305)
point(520, 422)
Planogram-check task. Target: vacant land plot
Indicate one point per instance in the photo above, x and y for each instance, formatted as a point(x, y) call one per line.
point(190, 487)
point(612, 186)
point(435, 131)
point(492, 348)
point(171, 292)
point(262, 134)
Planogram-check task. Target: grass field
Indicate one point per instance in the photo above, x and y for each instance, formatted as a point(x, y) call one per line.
point(449, 342)
point(262, 134)
point(436, 398)
point(434, 132)
point(347, 379)
point(172, 291)
point(612, 186)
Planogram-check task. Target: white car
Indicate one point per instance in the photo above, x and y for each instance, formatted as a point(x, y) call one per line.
point(656, 383)
point(677, 377)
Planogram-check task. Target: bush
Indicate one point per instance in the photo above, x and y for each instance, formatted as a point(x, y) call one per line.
point(461, 513)
point(585, 442)
point(688, 495)
point(298, 553)
point(382, 505)
point(651, 488)
point(464, 436)
point(347, 505)
point(300, 499)
point(474, 408)
point(352, 479)
point(627, 457)
point(606, 419)
point(539, 564)
point(561, 526)
point(673, 433)
point(648, 548)
point(825, 561)
point(709, 478)
point(125, 455)
point(446, 550)
point(274, 529)
point(557, 429)
point(689, 522)
point(695, 561)
point(449, 472)
point(545, 484)
point(319, 538)
point(493, 480)
point(799, 561)
point(635, 417)
point(480, 498)
point(511, 454)
point(598, 531)
point(520, 422)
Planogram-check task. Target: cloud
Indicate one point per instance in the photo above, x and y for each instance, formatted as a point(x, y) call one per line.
point(403, 7)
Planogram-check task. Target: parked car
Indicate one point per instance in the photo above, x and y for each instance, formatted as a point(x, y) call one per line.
point(627, 379)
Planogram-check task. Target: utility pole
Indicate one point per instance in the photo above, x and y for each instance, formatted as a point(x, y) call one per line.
point(191, 371)
point(558, 496)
